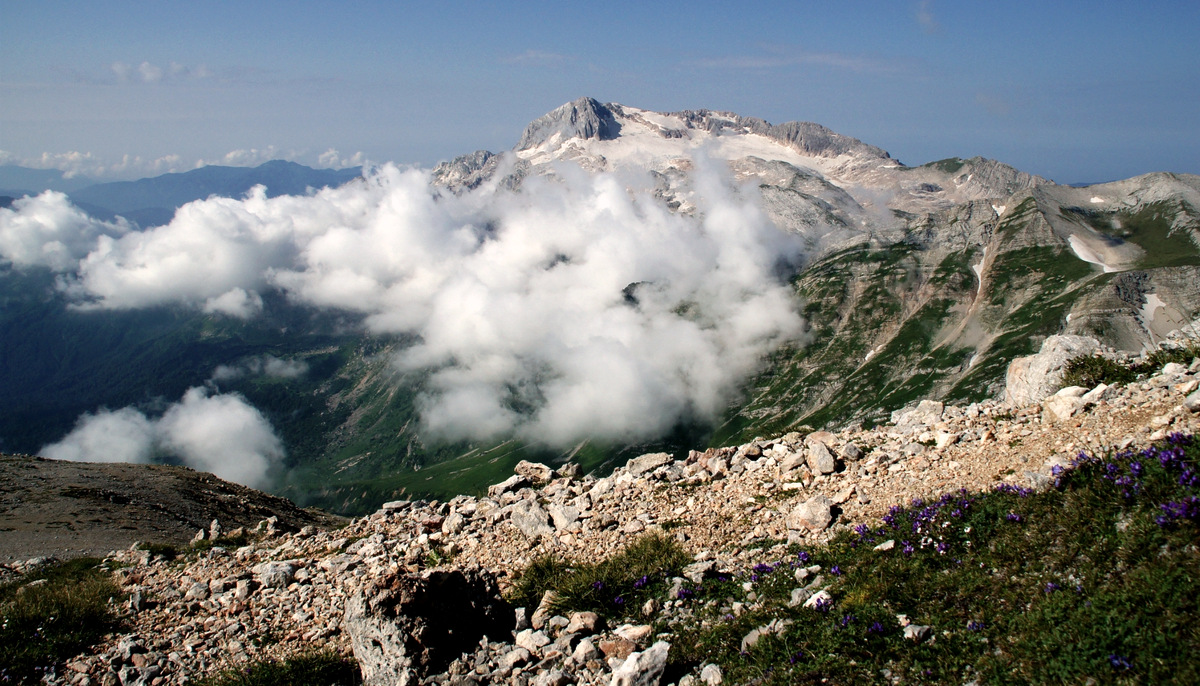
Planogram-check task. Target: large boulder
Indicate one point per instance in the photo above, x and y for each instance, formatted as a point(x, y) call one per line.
point(821, 459)
point(644, 668)
point(529, 517)
point(648, 463)
point(404, 627)
point(1033, 378)
point(536, 473)
point(813, 514)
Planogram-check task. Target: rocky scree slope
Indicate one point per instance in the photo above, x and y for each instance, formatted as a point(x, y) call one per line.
point(381, 586)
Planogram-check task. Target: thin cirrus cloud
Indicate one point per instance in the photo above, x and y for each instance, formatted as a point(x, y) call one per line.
point(580, 298)
point(148, 72)
point(783, 58)
point(539, 58)
point(925, 18)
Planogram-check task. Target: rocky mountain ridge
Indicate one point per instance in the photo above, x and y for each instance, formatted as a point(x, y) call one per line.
point(369, 588)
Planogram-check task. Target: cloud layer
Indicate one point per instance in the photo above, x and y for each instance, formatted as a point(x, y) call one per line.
point(578, 307)
point(221, 433)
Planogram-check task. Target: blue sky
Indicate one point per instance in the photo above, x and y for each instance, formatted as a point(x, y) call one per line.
point(1072, 91)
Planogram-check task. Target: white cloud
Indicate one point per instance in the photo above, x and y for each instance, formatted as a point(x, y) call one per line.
point(125, 435)
point(581, 299)
point(925, 18)
point(332, 159)
point(47, 230)
point(781, 57)
point(265, 365)
point(74, 163)
point(222, 434)
point(539, 58)
point(148, 72)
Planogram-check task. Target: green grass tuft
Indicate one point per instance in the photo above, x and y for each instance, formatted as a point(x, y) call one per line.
point(612, 588)
point(325, 668)
point(65, 613)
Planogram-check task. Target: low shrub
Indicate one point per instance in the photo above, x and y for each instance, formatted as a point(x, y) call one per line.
point(1090, 371)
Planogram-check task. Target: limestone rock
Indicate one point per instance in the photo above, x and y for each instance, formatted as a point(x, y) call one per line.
point(1034, 378)
point(584, 623)
point(513, 483)
point(1062, 406)
point(813, 514)
point(1192, 402)
point(820, 459)
point(648, 463)
point(275, 574)
point(644, 668)
point(404, 627)
point(531, 519)
point(711, 675)
point(534, 472)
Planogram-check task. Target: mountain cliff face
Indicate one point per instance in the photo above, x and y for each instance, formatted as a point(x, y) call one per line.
point(914, 282)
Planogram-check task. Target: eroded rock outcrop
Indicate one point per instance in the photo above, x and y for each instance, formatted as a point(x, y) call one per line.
point(404, 627)
point(1033, 378)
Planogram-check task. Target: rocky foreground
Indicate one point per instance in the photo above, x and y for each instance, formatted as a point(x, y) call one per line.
point(413, 590)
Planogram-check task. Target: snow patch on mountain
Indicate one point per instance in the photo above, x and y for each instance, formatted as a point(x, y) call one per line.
point(1085, 252)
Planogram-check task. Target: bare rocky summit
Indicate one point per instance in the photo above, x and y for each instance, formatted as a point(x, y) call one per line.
point(52, 508)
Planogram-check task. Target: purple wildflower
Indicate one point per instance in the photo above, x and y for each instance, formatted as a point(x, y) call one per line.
point(641, 583)
point(1120, 662)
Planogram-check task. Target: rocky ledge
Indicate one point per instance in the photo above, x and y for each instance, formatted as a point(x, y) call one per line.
point(414, 591)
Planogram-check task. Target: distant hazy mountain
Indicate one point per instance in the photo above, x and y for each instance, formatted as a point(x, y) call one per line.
point(18, 181)
point(153, 201)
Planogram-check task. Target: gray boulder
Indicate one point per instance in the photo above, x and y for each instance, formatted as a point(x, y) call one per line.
point(813, 514)
point(513, 483)
point(275, 574)
point(531, 519)
point(821, 459)
point(404, 627)
point(536, 473)
point(648, 463)
point(1034, 378)
point(644, 668)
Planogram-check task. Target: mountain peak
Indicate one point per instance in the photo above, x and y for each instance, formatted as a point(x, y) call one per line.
point(583, 118)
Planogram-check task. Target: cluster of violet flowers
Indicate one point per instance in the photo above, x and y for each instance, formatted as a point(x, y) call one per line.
point(1126, 471)
point(926, 524)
